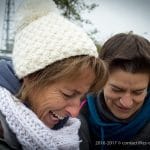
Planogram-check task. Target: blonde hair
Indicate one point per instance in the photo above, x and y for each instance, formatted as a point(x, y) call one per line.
point(69, 68)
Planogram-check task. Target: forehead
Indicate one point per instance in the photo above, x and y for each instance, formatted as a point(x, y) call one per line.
point(127, 79)
point(85, 77)
point(78, 74)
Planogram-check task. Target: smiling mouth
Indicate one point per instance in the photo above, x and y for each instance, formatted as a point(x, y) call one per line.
point(123, 109)
point(56, 115)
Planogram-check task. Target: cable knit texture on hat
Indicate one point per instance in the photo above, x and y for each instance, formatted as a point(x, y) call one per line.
point(44, 39)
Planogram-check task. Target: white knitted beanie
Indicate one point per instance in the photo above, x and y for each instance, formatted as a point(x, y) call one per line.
point(44, 36)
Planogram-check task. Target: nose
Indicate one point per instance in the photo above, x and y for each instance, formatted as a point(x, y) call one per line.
point(73, 107)
point(126, 100)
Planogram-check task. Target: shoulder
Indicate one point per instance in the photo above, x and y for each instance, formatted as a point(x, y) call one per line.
point(4, 145)
point(9, 140)
point(8, 78)
point(84, 133)
point(5, 62)
point(144, 133)
point(5, 59)
point(83, 118)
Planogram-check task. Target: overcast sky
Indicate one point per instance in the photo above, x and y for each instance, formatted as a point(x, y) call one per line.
point(114, 16)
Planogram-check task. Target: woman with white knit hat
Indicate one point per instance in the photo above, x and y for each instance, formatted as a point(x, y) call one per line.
point(56, 64)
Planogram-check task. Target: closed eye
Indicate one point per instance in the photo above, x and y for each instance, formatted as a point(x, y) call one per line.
point(69, 95)
point(116, 90)
point(138, 92)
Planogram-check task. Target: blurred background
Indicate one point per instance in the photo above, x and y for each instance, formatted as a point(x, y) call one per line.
point(100, 18)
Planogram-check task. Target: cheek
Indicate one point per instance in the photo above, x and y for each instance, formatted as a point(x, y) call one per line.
point(140, 99)
point(110, 97)
point(47, 103)
point(109, 94)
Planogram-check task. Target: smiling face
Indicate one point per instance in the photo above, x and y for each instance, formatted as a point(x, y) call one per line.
point(60, 99)
point(125, 92)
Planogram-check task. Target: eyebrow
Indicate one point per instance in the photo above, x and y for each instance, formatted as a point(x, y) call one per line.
point(142, 89)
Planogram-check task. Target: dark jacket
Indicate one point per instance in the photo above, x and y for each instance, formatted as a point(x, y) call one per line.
point(90, 141)
point(8, 79)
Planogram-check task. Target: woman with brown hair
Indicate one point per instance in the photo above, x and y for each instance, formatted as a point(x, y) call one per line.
point(56, 64)
point(118, 116)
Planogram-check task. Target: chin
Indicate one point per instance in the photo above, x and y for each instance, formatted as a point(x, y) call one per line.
point(123, 117)
point(49, 125)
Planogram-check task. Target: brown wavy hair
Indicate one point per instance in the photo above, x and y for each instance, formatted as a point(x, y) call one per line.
point(68, 68)
point(127, 51)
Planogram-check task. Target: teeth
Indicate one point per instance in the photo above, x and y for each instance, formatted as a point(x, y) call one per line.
point(56, 115)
